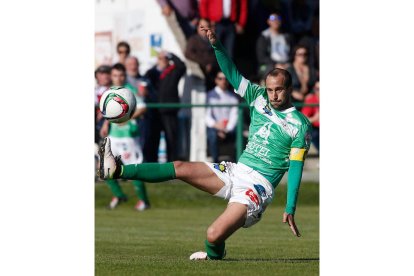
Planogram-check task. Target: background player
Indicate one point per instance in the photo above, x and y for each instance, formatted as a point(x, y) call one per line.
point(278, 141)
point(125, 143)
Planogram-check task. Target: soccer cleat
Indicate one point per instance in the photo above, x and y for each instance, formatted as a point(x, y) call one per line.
point(199, 256)
point(141, 205)
point(116, 201)
point(109, 166)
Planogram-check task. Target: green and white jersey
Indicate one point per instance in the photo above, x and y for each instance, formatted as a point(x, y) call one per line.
point(128, 129)
point(272, 133)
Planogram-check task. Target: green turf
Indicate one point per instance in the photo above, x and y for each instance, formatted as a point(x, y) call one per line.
point(160, 240)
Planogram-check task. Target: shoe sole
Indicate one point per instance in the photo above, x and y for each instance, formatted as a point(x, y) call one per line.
point(101, 153)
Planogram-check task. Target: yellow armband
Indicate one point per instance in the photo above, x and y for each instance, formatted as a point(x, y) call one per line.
point(297, 154)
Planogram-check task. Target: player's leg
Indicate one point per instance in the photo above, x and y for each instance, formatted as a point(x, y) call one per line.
point(116, 190)
point(225, 225)
point(141, 192)
point(197, 174)
point(118, 195)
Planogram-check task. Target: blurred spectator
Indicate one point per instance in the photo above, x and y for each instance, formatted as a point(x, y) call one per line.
point(199, 50)
point(165, 76)
point(312, 42)
point(272, 46)
point(146, 91)
point(303, 75)
point(221, 121)
point(300, 14)
point(259, 12)
point(123, 50)
point(227, 17)
point(134, 78)
point(103, 82)
point(186, 12)
point(312, 112)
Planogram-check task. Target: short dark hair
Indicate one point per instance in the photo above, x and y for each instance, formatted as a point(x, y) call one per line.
point(123, 44)
point(103, 69)
point(119, 67)
point(287, 78)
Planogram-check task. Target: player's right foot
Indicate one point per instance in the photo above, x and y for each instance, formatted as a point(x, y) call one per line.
point(109, 166)
point(116, 201)
point(141, 205)
point(199, 256)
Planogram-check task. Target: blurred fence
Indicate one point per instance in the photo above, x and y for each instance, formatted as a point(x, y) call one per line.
point(241, 107)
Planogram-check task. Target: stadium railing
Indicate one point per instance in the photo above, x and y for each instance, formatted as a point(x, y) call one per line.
point(241, 107)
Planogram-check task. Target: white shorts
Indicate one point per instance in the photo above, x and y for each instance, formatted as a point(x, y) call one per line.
point(244, 185)
point(129, 149)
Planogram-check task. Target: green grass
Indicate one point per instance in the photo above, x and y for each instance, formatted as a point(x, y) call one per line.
point(160, 240)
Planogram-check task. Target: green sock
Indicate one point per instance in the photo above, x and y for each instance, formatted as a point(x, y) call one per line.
point(140, 190)
point(115, 188)
point(215, 252)
point(148, 172)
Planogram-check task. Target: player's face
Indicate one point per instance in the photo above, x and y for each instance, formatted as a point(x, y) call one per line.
point(276, 91)
point(117, 77)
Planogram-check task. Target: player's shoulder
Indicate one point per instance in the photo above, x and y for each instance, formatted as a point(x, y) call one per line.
point(297, 118)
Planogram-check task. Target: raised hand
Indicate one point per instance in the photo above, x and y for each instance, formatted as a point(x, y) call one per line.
point(211, 35)
point(291, 221)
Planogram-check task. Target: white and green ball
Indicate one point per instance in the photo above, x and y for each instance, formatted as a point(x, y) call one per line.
point(117, 104)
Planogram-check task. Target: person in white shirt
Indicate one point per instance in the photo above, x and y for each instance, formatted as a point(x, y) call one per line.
point(221, 121)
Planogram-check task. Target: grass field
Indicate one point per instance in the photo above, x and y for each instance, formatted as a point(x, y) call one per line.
point(159, 241)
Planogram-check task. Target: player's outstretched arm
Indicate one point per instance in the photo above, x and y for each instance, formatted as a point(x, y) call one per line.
point(226, 64)
point(294, 179)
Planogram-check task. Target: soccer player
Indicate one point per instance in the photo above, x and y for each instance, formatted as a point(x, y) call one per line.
point(125, 143)
point(278, 141)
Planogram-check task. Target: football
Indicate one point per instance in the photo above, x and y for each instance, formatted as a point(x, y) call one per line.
point(117, 104)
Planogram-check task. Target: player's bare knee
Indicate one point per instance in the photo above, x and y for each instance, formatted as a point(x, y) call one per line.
point(178, 167)
point(213, 235)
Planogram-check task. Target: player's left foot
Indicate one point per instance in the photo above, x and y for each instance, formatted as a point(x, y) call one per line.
point(116, 201)
point(109, 166)
point(199, 256)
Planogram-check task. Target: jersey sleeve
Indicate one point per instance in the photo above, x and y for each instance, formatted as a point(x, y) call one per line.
point(302, 139)
point(242, 86)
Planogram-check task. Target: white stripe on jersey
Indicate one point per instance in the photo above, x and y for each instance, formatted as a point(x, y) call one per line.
point(242, 87)
point(291, 130)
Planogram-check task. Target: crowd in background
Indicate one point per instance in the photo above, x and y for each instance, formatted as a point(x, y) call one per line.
point(258, 34)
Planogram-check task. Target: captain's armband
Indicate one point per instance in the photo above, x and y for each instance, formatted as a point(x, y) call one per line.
point(297, 154)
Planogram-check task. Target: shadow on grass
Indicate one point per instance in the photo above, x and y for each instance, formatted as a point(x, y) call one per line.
point(274, 260)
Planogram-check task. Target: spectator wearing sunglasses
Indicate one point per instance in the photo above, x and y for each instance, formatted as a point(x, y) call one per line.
point(123, 50)
point(272, 47)
point(312, 113)
point(303, 75)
